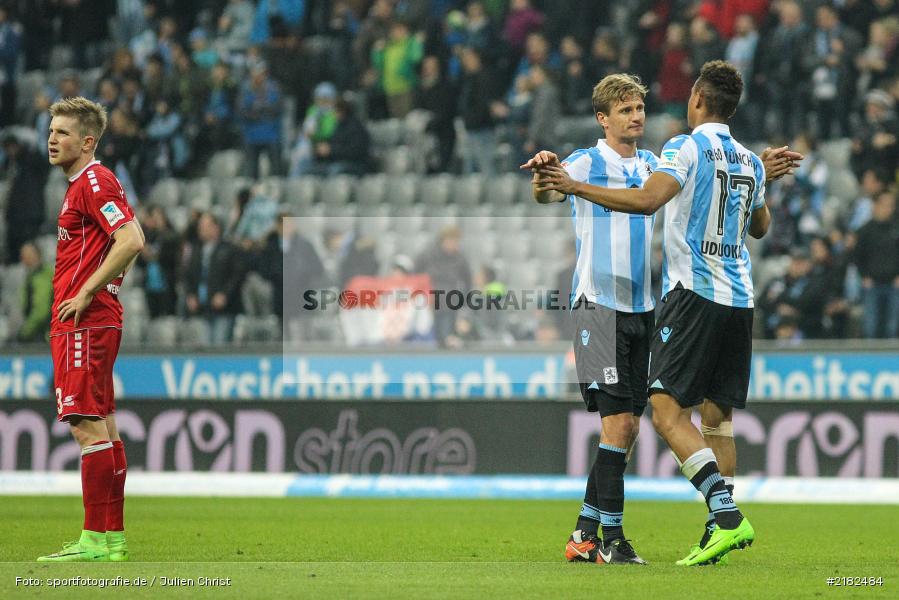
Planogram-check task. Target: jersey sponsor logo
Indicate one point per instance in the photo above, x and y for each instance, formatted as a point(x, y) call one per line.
point(62, 234)
point(669, 159)
point(69, 400)
point(722, 250)
point(112, 213)
point(610, 374)
point(585, 337)
point(665, 333)
point(112, 289)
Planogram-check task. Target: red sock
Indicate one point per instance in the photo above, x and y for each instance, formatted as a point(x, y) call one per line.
point(115, 513)
point(97, 465)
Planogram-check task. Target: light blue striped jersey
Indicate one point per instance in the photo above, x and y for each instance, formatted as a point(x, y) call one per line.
point(613, 248)
point(706, 222)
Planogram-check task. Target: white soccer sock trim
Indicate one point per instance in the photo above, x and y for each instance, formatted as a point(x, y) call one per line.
point(696, 461)
point(95, 448)
point(728, 480)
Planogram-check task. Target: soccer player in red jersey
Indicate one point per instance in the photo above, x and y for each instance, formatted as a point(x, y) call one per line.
point(97, 242)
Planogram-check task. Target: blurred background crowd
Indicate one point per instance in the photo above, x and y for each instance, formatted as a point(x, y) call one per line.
point(392, 130)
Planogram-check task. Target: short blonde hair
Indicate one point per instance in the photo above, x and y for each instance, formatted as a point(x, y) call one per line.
point(618, 87)
point(91, 116)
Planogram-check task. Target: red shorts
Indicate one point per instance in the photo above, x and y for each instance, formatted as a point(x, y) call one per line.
point(82, 371)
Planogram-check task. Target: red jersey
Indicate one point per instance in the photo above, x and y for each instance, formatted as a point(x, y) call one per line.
point(94, 208)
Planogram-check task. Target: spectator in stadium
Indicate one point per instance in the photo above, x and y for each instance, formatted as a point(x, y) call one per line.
point(257, 218)
point(37, 19)
point(10, 49)
point(259, 108)
point(830, 63)
point(166, 152)
point(676, 72)
point(26, 175)
point(576, 82)
point(449, 271)
point(466, 332)
point(358, 258)
point(120, 149)
point(121, 66)
point(782, 71)
point(807, 187)
point(375, 27)
point(476, 105)
point(877, 258)
point(107, 93)
point(876, 141)
point(69, 85)
point(318, 126)
point(395, 63)
point(828, 276)
point(35, 296)
point(605, 57)
point(876, 62)
point(741, 52)
point(213, 279)
point(235, 26)
point(289, 62)
point(792, 296)
point(202, 54)
point(134, 100)
point(159, 259)
point(521, 20)
point(291, 11)
point(190, 85)
point(43, 98)
point(156, 83)
point(218, 131)
point(873, 181)
point(480, 32)
point(705, 43)
point(437, 95)
point(85, 26)
point(286, 245)
point(538, 52)
point(348, 149)
point(541, 132)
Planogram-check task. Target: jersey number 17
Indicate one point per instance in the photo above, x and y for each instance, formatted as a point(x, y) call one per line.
point(734, 182)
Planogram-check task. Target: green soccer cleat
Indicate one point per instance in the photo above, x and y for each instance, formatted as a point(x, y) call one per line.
point(91, 547)
point(118, 548)
point(720, 543)
point(719, 561)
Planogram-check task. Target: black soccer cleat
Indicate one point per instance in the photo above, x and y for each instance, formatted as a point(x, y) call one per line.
point(619, 552)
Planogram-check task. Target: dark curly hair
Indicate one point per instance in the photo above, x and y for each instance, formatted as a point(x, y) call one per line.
point(722, 87)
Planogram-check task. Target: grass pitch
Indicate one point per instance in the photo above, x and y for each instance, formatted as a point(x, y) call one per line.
point(329, 548)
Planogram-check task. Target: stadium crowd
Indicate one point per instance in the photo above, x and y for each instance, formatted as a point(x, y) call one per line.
point(306, 89)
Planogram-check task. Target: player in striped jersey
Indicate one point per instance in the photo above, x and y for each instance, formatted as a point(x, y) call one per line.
point(612, 308)
point(701, 349)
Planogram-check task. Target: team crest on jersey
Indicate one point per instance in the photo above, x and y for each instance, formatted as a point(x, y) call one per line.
point(112, 213)
point(611, 375)
point(648, 168)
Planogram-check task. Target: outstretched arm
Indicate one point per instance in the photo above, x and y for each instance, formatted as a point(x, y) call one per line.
point(655, 193)
point(542, 159)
